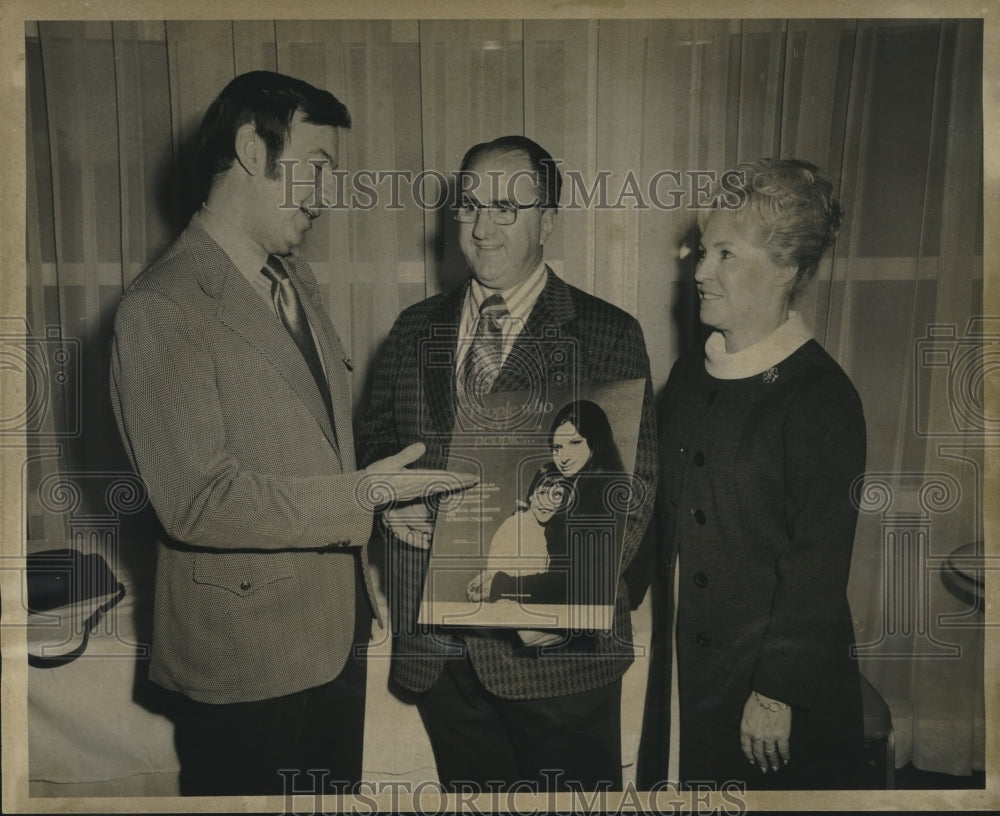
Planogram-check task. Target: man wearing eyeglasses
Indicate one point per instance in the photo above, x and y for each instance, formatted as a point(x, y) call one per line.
point(498, 712)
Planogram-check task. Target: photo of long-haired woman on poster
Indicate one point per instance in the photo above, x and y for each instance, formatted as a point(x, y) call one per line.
point(583, 540)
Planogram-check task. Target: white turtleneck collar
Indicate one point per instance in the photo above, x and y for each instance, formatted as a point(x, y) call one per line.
point(766, 353)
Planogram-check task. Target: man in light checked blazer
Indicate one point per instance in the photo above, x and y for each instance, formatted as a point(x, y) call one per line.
point(496, 712)
point(229, 386)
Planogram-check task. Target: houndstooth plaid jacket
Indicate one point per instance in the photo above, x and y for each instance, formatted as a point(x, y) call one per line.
point(572, 337)
point(257, 574)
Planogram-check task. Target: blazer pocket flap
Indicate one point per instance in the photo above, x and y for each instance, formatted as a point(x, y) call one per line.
point(241, 573)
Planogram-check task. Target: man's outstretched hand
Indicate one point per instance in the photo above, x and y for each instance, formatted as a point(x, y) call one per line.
point(403, 493)
point(389, 482)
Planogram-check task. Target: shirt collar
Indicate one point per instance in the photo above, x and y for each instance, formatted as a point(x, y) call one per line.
point(762, 355)
point(520, 298)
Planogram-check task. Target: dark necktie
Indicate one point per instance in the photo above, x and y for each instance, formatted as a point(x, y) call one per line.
point(485, 356)
point(290, 310)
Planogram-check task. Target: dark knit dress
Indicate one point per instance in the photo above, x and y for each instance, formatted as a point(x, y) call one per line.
point(755, 498)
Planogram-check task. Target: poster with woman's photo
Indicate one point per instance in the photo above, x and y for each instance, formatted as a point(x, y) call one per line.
point(536, 545)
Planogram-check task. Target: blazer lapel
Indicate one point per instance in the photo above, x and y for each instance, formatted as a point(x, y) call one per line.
point(540, 346)
point(335, 367)
point(436, 361)
point(244, 312)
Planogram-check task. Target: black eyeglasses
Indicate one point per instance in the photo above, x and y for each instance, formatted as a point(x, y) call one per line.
point(502, 214)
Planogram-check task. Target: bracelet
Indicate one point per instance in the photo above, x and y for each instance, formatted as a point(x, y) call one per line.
point(772, 706)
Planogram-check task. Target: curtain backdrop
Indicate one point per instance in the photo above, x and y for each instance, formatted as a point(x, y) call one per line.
point(891, 109)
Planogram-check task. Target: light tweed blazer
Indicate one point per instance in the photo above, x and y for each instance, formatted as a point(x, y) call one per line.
point(572, 337)
point(256, 575)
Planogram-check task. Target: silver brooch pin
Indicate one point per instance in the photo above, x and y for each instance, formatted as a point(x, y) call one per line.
point(771, 375)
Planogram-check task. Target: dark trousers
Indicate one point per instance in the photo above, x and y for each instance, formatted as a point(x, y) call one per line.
point(241, 748)
point(556, 743)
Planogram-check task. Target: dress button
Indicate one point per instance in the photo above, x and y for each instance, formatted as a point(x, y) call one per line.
point(700, 517)
point(699, 458)
point(246, 585)
point(702, 639)
point(700, 580)
point(681, 449)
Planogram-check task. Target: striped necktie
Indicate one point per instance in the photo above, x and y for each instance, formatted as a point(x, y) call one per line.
point(290, 310)
point(485, 357)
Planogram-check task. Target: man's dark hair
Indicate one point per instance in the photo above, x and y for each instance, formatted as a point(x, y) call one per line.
point(548, 179)
point(268, 100)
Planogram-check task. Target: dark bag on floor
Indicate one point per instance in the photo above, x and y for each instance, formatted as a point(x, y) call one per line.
point(60, 578)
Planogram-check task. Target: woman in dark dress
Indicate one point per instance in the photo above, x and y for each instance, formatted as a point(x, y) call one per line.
point(761, 438)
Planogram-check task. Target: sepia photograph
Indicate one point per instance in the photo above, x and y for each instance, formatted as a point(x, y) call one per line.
point(546, 408)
